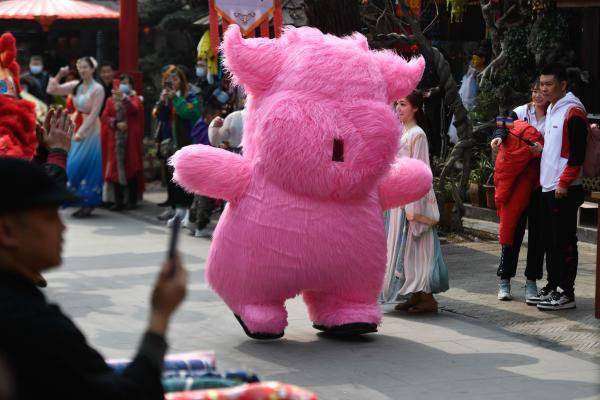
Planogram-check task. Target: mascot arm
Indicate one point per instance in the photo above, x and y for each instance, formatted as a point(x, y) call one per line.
point(407, 180)
point(211, 172)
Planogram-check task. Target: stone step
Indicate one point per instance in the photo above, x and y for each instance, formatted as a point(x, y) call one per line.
point(490, 228)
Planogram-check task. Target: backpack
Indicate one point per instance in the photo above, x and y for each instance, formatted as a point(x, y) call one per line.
point(591, 163)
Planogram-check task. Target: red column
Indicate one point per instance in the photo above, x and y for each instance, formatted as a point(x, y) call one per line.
point(128, 41)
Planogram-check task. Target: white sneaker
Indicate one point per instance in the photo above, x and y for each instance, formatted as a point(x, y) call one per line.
point(531, 293)
point(204, 233)
point(180, 212)
point(558, 301)
point(187, 224)
point(504, 290)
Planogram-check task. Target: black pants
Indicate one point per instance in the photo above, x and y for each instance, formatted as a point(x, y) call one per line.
point(176, 196)
point(201, 211)
point(509, 259)
point(132, 192)
point(559, 226)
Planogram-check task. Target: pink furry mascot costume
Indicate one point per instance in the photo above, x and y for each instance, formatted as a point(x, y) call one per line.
point(306, 198)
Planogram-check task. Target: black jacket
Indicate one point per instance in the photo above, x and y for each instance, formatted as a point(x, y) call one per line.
point(49, 358)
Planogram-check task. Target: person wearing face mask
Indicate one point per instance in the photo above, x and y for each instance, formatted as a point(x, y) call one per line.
point(84, 165)
point(41, 79)
point(122, 147)
point(518, 181)
point(204, 84)
point(176, 113)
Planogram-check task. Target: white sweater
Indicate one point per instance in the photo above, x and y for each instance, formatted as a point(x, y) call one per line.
point(231, 131)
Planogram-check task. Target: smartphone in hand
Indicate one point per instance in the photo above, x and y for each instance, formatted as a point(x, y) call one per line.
point(174, 235)
point(115, 84)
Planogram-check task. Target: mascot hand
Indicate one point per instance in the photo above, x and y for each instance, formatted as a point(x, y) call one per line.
point(211, 172)
point(407, 180)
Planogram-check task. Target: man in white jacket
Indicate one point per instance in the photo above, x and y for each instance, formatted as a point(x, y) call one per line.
point(560, 177)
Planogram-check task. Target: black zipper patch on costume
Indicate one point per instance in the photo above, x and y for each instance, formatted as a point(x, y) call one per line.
point(338, 150)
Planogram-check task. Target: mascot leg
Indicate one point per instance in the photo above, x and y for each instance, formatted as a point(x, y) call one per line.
point(337, 314)
point(263, 321)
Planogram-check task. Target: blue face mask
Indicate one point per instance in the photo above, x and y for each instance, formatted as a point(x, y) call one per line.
point(124, 88)
point(200, 72)
point(36, 69)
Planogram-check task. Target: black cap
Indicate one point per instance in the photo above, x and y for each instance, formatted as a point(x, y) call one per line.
point(26, 186)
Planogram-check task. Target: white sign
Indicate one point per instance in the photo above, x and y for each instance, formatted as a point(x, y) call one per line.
point(248, 14)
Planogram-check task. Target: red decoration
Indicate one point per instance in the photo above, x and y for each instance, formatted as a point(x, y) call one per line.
point(47, 11)
point(219, 22)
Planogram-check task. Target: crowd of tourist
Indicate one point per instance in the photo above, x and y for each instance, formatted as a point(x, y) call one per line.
point(105, 168)
point(106, 161)
point(105, 118)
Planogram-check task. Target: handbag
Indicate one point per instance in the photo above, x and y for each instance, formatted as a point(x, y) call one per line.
point(439, 277)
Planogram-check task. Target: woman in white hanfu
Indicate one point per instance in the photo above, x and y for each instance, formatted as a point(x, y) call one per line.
point(415, 267)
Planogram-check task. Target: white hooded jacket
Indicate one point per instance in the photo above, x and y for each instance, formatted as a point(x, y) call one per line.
point(554, 157)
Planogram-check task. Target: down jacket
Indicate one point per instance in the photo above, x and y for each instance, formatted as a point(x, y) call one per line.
point(516, 177)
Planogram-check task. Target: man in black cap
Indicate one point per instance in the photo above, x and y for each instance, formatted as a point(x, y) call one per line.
point(47, 356)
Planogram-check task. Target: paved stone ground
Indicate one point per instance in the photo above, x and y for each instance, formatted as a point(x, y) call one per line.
point(111, 261)
point(473, 292)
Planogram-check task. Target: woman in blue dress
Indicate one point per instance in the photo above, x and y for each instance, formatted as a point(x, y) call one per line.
point(84, 164)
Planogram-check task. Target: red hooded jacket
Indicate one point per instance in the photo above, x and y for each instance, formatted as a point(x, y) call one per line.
point(516, 177)
point(134, 161)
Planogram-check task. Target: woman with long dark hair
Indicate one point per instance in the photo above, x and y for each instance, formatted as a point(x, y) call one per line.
point(415, 265)
point(176, 113)
point(84, 165)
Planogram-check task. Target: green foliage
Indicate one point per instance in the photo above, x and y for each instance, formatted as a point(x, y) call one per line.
point(514, 76)
point(551, 29)
point(444, 194)
point(523, 45)
point(483, 169)
point(487, 104)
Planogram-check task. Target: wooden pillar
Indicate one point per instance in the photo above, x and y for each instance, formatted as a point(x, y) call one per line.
point(128, 42)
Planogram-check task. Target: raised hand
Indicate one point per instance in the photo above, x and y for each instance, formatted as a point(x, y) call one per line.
point(57, 130)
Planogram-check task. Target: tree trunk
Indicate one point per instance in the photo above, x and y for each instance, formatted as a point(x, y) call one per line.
point(462, 151)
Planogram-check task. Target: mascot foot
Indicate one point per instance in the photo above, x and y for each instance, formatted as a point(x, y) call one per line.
point(258, 335)
point(353, 329)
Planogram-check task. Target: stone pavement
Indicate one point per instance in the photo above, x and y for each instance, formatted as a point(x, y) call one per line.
point(474, 287)
point(111, 262)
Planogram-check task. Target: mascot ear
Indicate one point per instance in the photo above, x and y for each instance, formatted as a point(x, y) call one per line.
point(401, 76)
point(254, 63)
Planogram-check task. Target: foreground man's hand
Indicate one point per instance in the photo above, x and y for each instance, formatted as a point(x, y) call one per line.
point(169, 291)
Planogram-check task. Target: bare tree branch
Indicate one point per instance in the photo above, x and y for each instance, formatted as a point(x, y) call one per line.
point(489, 71)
